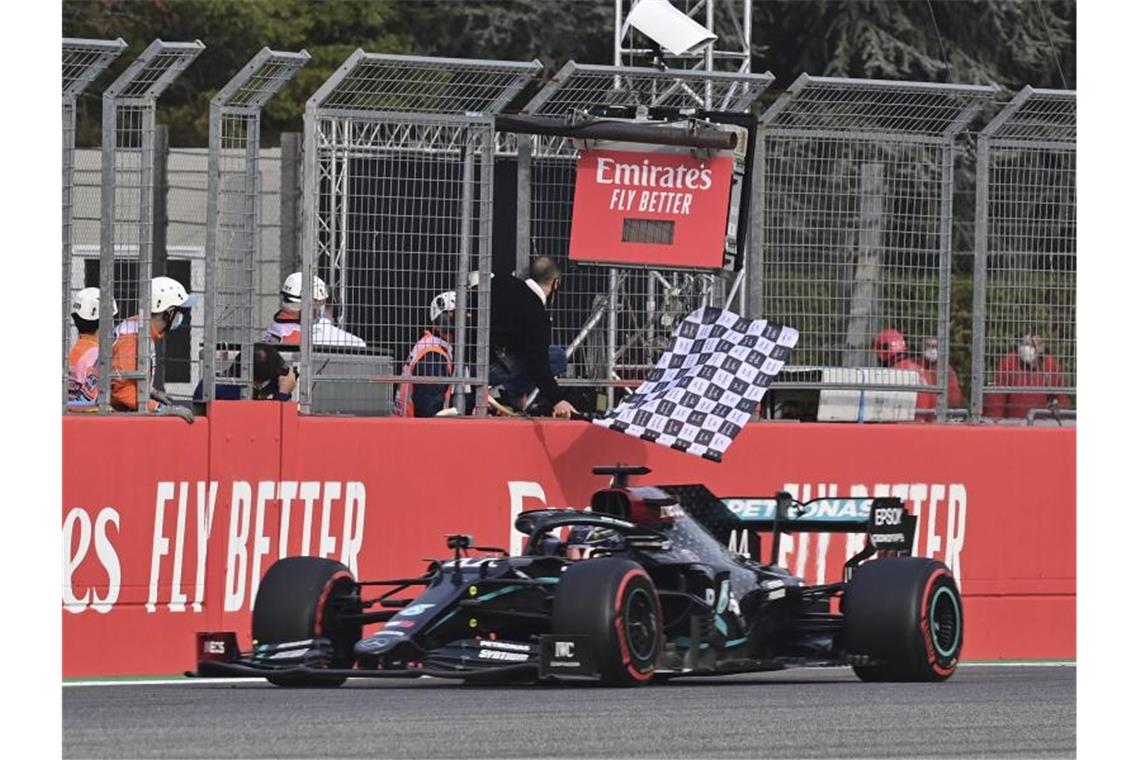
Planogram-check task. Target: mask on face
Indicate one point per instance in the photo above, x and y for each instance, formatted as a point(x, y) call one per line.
point(931, 355)
point(1027, 353)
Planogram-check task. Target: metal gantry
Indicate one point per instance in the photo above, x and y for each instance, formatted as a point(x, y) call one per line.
point(127, 217)
point(729, 20)
point(232, 239)
point(613, 322)
point(83, 61)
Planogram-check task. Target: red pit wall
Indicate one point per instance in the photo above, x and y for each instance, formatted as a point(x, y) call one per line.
point(997, 504)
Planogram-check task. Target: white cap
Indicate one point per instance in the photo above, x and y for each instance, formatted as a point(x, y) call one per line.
point(291, 290)
point(166, 292)
point(85, 305)
point(442, 302)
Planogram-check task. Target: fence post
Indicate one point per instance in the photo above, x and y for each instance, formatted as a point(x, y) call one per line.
point(945, 234)
point(754, 282)
point(158, 235)
point(978, 331)
point(83, 61)
point(291, 143)
point(868, 258)
point(523, 199)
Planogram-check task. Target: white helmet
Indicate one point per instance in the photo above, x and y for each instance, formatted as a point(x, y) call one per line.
point(166, 292)
point(442, 302)
point(86, 305)
point(291, 290)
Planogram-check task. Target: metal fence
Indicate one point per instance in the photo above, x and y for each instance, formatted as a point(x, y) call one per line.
point(1025, 263)
point(83, 61)
point(398, 172)
point(849, 232)
point(856, 211)
point(232, 234)
point(127, 216)
point(614, 322)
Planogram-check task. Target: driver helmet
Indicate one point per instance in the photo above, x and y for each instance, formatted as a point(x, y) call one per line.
point(588, 541)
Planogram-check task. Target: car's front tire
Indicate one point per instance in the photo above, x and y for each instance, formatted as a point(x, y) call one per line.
point(301, 598)
point(906, 614)
point(613, 602)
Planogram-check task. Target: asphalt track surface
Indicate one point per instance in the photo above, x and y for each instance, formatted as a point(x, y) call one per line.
point(980, 712)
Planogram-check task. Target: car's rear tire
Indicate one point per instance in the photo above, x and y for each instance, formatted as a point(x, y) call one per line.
point(906, 614)
point(613, 602)
point(300, 598)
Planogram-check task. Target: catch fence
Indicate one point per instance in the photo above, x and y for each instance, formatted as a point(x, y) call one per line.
point(850, 187)
point(83, 61)
point(1025, 259)
point(128, 213)
point(232, 323)
point(398, 174)
point(856, 211)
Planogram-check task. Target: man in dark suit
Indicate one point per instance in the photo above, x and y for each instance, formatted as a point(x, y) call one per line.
point(521, 355)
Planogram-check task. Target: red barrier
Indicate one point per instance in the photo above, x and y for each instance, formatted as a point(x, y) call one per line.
point(996, 504)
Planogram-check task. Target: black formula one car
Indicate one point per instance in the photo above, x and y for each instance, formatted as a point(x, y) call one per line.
point(643, 587)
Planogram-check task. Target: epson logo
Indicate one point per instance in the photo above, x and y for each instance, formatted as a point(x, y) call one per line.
point(888, 515)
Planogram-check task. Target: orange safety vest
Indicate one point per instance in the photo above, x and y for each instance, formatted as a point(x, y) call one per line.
point(83, 372)
point(428, 344)
point(124, 358)
point(285, 328)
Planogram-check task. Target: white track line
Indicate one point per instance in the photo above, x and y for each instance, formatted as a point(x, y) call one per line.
point(253, 679)
point(161, 681)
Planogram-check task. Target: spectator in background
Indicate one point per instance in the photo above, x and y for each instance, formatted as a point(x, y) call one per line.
point(286, 325)
point(929, 364)
point(521, 354)
point(431, 356)
point(83, 359)
point(1027, 366)
point(273, 379)
point(169, 310)
point(890, 347)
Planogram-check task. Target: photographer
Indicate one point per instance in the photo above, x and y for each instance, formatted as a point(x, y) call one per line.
point(273, 380)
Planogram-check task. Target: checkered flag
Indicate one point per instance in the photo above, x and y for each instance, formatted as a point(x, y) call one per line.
point(707, 383)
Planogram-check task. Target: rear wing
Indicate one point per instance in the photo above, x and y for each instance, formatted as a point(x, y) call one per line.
point(888, 525)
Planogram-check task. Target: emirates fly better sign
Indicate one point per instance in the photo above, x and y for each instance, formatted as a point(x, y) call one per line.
point(658, 209)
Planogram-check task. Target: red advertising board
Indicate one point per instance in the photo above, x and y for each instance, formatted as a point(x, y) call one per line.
point(159, 546)
point(652, 208)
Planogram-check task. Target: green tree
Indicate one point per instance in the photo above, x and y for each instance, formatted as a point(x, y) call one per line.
point(233, 32)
